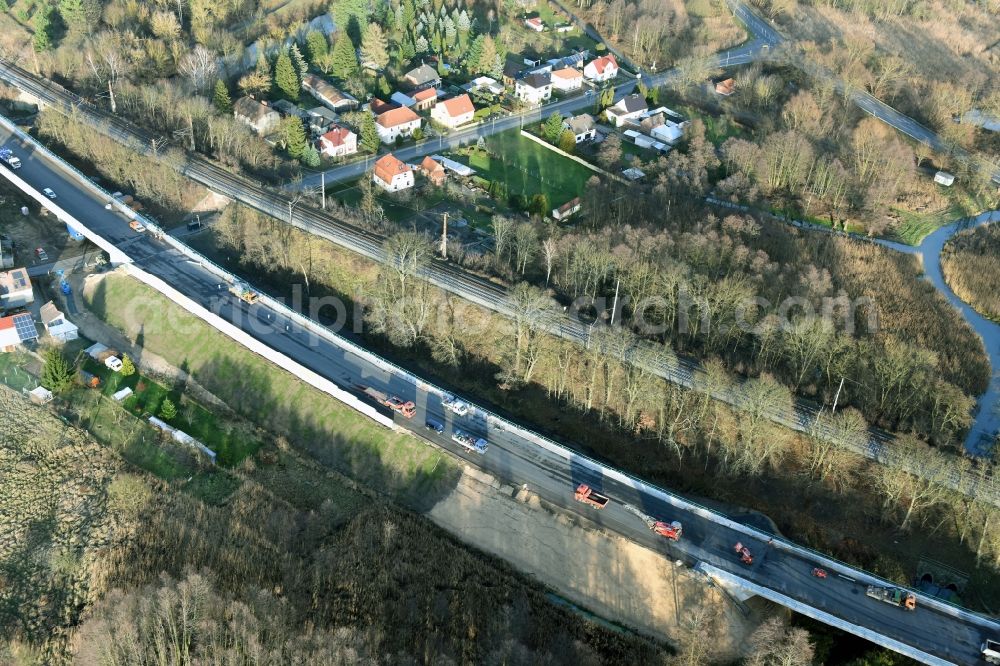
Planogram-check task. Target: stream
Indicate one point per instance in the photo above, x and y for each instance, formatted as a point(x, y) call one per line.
point(987, 417)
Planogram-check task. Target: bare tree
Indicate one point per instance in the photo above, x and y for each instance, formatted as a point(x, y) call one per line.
point(200, 67)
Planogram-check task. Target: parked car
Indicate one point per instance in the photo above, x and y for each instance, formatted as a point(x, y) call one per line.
point(136, 225)
point(49, 193)
point(435, 425)
point(41, 254)
point(455, 405)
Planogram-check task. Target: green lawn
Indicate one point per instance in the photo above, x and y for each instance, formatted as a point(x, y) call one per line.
point(915, 227)
point(397, 208)
point(527, 168)
point(333, 433)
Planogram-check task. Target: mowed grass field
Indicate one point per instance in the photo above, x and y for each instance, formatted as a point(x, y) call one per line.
point(527, 168)
point(331, 432)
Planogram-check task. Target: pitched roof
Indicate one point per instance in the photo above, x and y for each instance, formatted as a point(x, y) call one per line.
point(395, 117)
point(581, 123)
point(337, 135)
point(727, 87)
point(49, 313)
point(631, 104)
point(458, 106)
point(425, 94)
point(534, 21)
point(387, 167)
point(6, 323)
point(380, 106)
point(602, 63)
point(536, 80)
point(568, 73)
point(250, 108)
point(418, 76)
point(429, 165)
point(322, 87)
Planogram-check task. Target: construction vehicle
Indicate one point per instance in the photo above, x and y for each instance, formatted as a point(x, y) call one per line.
point(470, 443)
point(991, 651)
point(588, 495)
point(7, 157)
point(395, 403)
point(819, 573)
point(893, 595)
point(243, 292)
point(671, 530)
point(746, 557)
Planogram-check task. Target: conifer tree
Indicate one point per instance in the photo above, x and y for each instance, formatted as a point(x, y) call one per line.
point(286, 79)
point(220, 97)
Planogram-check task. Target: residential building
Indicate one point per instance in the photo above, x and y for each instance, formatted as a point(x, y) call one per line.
point(286, 108)
point(535, 24)
point(534, 89)
point(484, 82)
point(391, 174)
point(16, 330)
point(457, 168)
point(582, 126)
point(396, 122)
point(604, 68)
point(567, 79)
point(402, 99)
point(261, 118)
point(454, 112)
point(326, 94)
point(668, 132)
point(421, 77)
point(321, 119)
point(15, 289)
point(434, 171)
point(425, 99)
point(378, 106)
point(627, 108)
point(56, 324)
point(567, 209)
point(726, 87)
point(338, 142)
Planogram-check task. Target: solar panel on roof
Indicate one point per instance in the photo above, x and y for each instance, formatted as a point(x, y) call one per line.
point(25, 327)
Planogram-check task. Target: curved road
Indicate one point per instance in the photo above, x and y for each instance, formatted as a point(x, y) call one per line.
point(934, 633)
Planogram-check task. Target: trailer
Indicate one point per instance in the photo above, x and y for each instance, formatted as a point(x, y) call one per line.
point(8, 157)
point(588, 495)
point(395, 403)
point(894, 596)
point(470, 443)
point(671, 530)
point(991, 651)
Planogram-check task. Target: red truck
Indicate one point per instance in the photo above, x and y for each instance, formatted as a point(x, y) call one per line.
point(587, 495)
point(671, 530)
point(395, 403)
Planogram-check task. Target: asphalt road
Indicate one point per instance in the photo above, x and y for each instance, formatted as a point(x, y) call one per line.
point(516, 459)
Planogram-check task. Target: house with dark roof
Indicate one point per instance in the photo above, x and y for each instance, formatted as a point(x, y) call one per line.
point(261, 118)
point(454, 112)
point(321, 119)
point(582, 126)
point(627, 108)
point(326, 94)
point(396, 122)
point(56, 324)
point(15, 289)
point(534, 89)
point(423, 76)
point(392, 174)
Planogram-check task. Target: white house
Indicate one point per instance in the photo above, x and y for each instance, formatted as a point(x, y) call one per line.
point(454, 112)
point(16, 329)
point(944, 178)
point(567, 209)
point(260, 117)
point(604, 68)
point(567, 79)
point(534, 89)
point(582, 127)
point(338, 142)
point(57, 325)
point(629, 107)
point(668, 132)
point(535, 24)
point(391, 174)
point(396, 122)
point(15, 289)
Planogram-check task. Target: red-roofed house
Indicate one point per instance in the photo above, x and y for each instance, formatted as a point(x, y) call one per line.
point(338, 142)
point(726, 88)
point(566, 79)
point(424, 98)
point(16, 329)
point(396, 122)
point(604, 68)
point(535, 24)
point(434, 171)
point(380, 106)
point(454, 112)
point(391, 174)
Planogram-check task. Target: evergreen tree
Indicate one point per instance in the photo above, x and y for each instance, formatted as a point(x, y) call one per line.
point(345, 60)
point(374, 48)
point(474, 53)
point(350, 15)
point(42, 22)
point(220, 97)
point(383, 87)
point(286, 79)
point(80, 16)
point(553, 127)
point(167, 409)
point(128, 367)
point(57, 374)
point(409, 14)
point(421, 45)
point(607, 97)
point(294, 135)
point(408, 49)
point(298, 60)
point(488, 57)
point(263, 66)
point(369, 134)
point(317, 47)
point(311, 157)
point(567, 141)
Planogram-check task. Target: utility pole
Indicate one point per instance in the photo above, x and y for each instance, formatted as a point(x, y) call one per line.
point(614, 305)
point(837, 396)
point(444, 237)
point(322, 187)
